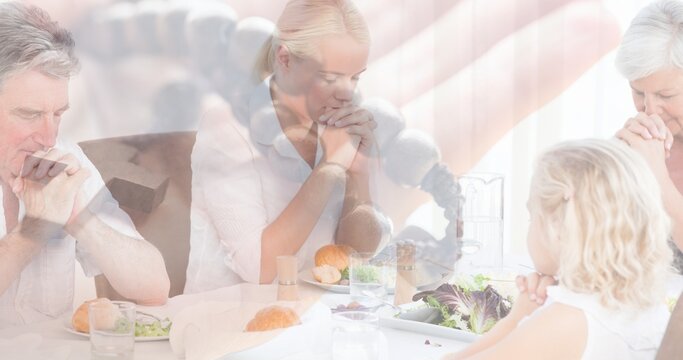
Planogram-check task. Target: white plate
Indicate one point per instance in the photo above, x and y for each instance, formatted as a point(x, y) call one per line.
point(307, 277)
point(424, 268)
point(387, 319)
point(67, 326)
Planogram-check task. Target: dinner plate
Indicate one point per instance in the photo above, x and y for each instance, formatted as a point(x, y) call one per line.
point(307, 277)
point(429, 276)
point(387, 319)
point(137, 338)
point(67, 326)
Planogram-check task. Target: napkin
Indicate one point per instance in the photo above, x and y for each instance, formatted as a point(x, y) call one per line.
point(31, 347)
point(244, 292)
point(211, 330)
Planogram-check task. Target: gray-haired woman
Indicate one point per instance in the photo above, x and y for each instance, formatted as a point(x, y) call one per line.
point(651, 58)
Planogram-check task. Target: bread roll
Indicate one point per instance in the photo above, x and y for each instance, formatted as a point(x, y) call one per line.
point(79, 321)
point(326, 274)
point(333, 255)
point(273, 317)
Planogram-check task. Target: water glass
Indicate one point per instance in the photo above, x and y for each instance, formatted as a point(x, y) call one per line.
point(367, 279)
point(112, 329)
point(356, 336)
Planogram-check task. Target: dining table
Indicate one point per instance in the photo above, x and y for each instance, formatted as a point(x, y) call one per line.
point(52, 340)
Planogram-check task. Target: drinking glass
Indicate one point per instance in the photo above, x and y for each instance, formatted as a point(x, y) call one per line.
point(356, 336)
point(112, 329)
point(367, 278)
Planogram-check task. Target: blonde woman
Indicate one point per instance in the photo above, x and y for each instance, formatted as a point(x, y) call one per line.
point(599, 226)
point(297, 176)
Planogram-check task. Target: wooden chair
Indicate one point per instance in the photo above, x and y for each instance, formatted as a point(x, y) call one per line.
point(671, 347)
point(151, 178)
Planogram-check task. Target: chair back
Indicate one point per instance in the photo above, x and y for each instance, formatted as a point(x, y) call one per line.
point(151, 178)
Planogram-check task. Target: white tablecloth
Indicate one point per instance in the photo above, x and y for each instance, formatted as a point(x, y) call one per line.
point(57, 342)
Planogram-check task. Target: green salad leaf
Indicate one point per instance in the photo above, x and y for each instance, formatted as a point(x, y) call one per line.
point(671, 303)
point(366, 274)
point(455, 321)
point(345, 273)
point(122, 326)
point(469, 304)
point(153, 329)
point(432, 302)
point(476, 282)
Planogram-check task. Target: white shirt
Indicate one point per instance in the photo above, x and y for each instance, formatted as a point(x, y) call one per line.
point(622, 334)
point(44, 289)
point(243, 177)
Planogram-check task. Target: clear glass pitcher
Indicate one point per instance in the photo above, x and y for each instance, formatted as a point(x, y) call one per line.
point(482, 217)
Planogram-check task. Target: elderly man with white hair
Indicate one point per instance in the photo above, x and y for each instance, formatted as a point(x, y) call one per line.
point(55, 206)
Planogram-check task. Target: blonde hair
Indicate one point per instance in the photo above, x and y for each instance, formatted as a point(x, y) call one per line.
point(303, 22)
point(603, 215)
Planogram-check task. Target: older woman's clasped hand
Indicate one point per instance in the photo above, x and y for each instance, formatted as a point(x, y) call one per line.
point(650, 137)
point(648, 127)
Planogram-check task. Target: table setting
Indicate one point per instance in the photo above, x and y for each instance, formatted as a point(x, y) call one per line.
point(335, 326)
point(404, 302)
point(51, 340)
point(211, 325)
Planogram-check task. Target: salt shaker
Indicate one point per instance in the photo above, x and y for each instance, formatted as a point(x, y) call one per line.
point(405, 273)
point(287, 289)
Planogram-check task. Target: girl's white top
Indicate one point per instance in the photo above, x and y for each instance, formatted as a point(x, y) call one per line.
point(615, 334)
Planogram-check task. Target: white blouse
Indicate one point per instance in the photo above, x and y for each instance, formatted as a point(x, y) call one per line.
point(623, 334)
point(243, 177)
point(44, 289)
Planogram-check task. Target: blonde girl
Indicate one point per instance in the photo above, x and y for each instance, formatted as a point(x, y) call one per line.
point(598, 225)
